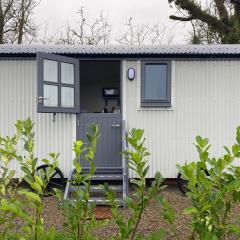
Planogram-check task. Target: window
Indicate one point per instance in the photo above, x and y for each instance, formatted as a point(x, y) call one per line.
point(58, 84)
point(156, 84)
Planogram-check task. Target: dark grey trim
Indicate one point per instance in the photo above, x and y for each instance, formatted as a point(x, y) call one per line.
point(156, 103)
point(129, 57)
point(155, 57)
point(121, 87)
point(76, 85)
point(18, 58)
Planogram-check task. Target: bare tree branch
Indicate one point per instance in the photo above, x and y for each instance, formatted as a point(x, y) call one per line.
point(223, 14)
point(99, 32)
point(16, 23)
point(85, 32)
point(135, 34)
point(218, 21)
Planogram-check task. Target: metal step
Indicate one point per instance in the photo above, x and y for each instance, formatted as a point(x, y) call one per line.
point(97, 188)
point(102, 201)
point(116, 179)
point(107, 177)
point(105, 170)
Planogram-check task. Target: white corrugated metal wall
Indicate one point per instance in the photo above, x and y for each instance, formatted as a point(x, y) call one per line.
point(205, 97)
point(206, 102)
point(18, 100)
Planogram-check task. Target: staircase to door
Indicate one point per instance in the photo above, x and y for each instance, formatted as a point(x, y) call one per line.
point(111, 167)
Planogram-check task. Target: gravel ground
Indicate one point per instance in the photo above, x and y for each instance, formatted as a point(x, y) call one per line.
point(151, 220)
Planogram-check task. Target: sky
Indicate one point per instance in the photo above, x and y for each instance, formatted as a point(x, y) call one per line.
point(56, 13)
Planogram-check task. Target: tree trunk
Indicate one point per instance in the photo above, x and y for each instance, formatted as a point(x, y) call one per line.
point(21, 23)
point(222, 23)
point(1, 23)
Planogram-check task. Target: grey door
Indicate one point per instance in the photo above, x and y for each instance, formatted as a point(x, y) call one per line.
point(109, 145)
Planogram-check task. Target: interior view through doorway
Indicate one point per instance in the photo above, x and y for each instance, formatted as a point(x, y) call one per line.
point(100, 102)
point(100, 86)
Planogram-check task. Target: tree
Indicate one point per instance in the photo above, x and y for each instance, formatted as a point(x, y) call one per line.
point(99, 32)
point(83, 32)
point(139, 34)
point(5, 18)
point(25, 28)
point(92, 34)
point(217, 21)
point(16, 23)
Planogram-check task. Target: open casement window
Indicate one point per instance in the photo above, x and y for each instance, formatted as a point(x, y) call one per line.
point(58, 84)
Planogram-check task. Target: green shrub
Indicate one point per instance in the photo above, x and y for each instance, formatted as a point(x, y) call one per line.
point(37, 183)
point(137, 161)
point(11, 205)
point(78, 211)
point(214, 185)
point(8, 189)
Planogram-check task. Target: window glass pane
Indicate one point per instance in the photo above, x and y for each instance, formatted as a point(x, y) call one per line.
point(155, 82)
point(50, 94)
point(50, 70)
point(67, 73)
point(67, 97)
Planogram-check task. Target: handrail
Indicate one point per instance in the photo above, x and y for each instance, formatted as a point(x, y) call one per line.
point(124, 160)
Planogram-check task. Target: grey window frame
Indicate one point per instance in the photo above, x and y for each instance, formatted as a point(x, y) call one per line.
point(40, 107)
point(156, 103)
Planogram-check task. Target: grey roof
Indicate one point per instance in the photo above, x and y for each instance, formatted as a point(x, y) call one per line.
point(226, 49)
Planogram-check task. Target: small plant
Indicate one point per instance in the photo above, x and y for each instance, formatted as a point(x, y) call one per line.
point(38, 183)
point(79, 211)
point(137, 160)
point(12, 205)
point(8, 188)
point(213, 195)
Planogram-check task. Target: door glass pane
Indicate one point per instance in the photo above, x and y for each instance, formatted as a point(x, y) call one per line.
point(67, 73)
point(67, 97)
point(50, 94)
point(155, 82)
point(50, 70)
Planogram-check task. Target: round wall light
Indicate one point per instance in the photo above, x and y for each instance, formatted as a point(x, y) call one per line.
point(131, 73)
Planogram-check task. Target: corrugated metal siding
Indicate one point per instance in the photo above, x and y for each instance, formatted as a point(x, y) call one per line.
point(205, 96)
point(206, 102)
point(18, 96)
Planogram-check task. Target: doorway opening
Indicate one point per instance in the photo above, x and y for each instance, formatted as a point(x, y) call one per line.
point(100, 103)
point(100, 86)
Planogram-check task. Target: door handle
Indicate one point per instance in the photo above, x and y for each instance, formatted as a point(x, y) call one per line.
point(116, 125)
point(41, 99)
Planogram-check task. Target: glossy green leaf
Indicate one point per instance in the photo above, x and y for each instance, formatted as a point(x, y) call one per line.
point(30, 195)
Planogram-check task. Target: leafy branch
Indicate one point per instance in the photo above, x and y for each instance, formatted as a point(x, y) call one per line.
point(137, 159)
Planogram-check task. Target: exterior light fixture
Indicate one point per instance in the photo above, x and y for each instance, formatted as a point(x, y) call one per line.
point(131, 73)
